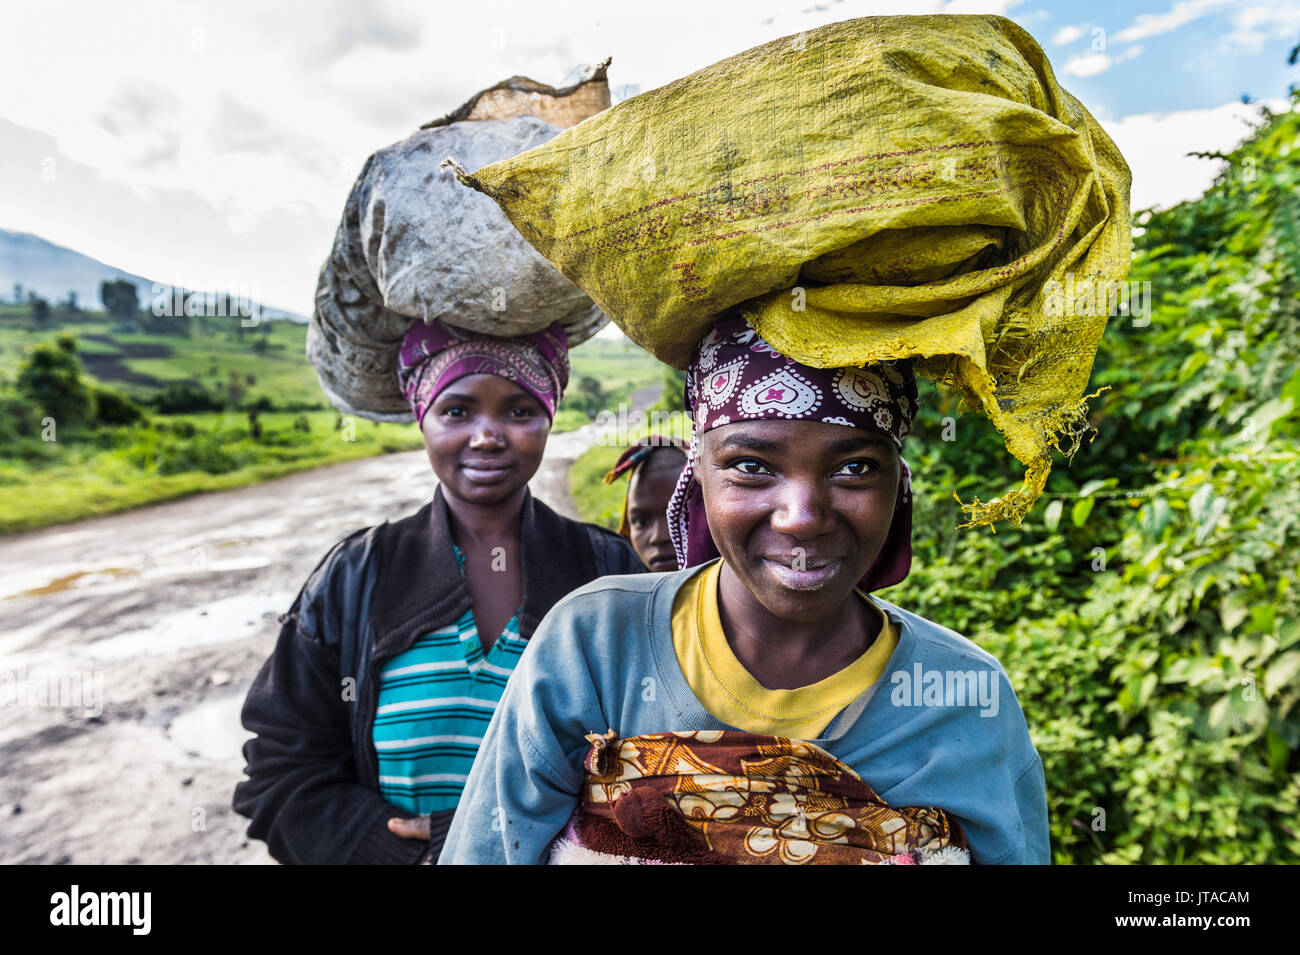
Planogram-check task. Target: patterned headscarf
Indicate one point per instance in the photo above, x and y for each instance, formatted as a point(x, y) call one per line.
point(734, 375)
point(434, 355)
point(630, 461)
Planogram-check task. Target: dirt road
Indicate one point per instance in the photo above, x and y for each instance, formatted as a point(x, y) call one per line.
point(127, 644)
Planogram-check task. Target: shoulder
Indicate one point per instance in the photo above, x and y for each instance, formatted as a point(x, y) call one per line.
point(337, 577)
point(612, 552)
point(941, 669)
point(602, 618)
point(937, 642)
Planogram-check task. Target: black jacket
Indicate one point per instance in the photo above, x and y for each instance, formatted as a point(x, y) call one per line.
point(313, 789)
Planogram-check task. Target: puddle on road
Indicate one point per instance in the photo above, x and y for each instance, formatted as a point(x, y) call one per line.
point(212, 729)
point(81, 578)
point(220, 621)
point(194, 561)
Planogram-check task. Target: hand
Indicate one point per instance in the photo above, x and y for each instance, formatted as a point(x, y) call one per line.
point(417, 828)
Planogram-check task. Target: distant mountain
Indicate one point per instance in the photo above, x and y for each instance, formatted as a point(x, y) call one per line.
point(51, 271)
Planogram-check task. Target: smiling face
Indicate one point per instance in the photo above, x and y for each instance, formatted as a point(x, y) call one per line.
point(485, 437)
point(799, 510)
point(647, 508)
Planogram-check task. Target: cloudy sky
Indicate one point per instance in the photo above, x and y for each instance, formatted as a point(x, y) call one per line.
point(213, 144)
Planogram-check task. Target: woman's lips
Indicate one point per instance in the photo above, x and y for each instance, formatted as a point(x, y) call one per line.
point(662, 563)
point(485, 472)
point(816, 574)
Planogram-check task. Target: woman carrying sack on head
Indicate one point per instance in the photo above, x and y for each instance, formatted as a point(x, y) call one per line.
point(391, 660)
point(775, 711)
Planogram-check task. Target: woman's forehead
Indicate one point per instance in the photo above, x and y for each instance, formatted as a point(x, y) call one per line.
point(483, 386)
point(777, 436)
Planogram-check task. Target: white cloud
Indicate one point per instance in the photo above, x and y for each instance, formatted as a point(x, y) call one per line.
point(1086, 64)
point(1254, 26)
point(1068, 34)
point(220, 140)
point(1156, 147)
point(1153, 24)
point(1090, 64)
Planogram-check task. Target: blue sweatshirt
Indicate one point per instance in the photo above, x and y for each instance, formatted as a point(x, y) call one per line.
point(941, 728)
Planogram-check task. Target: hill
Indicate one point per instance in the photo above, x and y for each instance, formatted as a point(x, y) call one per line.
point(52, 271)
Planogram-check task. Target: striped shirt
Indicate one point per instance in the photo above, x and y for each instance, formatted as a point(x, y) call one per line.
point(435, 701)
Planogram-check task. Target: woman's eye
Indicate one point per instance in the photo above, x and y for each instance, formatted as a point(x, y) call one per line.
point(519, 411)
point(455, 411)
point(749, 466)
point(857, 468)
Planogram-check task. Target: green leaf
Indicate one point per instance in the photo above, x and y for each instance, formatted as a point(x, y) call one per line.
point(1292, 389)
point(1082, 508)
point(1283, 671)
point(1199, 505)
point(1261, 617)
point(1278, 753)
point(1234, 610)
point(1052, 515)
point(1192, 670)
point(1155, 517)
point(1288, 632)
point(1266, 416)
point(1093, 486)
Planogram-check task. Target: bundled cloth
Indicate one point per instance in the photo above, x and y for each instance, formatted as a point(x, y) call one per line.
point(725, 797)
point(415, 246)
point(877, 189)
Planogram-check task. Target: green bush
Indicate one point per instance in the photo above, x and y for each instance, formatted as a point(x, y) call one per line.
point(1168, 698)
point(50, 378)
point(186, 397)
point(113, 407)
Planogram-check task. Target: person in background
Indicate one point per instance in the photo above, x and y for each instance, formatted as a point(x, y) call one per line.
point(652, 466)
point(390, 662)
point(761, 705)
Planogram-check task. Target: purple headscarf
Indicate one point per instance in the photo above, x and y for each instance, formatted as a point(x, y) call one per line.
point(734, 375)
point(434, 355)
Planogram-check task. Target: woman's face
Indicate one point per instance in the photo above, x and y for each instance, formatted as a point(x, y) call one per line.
point(799, 510)
point(647, 509)
point(485, 437)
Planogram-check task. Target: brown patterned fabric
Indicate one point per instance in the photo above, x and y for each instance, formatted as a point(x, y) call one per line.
point(735, 798)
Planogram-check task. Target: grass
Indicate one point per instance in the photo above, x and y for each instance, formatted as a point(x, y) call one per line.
point(90, 475)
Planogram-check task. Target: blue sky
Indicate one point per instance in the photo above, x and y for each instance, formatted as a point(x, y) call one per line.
point(212, 144)
point(1209, 52)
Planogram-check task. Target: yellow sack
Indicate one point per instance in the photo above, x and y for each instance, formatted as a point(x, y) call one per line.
point(875, 189)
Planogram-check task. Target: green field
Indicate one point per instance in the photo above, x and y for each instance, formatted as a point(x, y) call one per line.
point(281, 373)
point(88, 473)
point(121, 468)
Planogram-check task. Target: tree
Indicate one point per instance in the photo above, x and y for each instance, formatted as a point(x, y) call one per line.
point(113, 407)
point(50, 378)
point(40, 311)
point(588, 396)
point(18, 293)
point(72, 301)
point(235, 390)
point(120, 298)
point(674, 386)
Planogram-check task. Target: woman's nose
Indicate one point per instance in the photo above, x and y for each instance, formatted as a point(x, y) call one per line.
point(486, 435)
point(801, 511)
